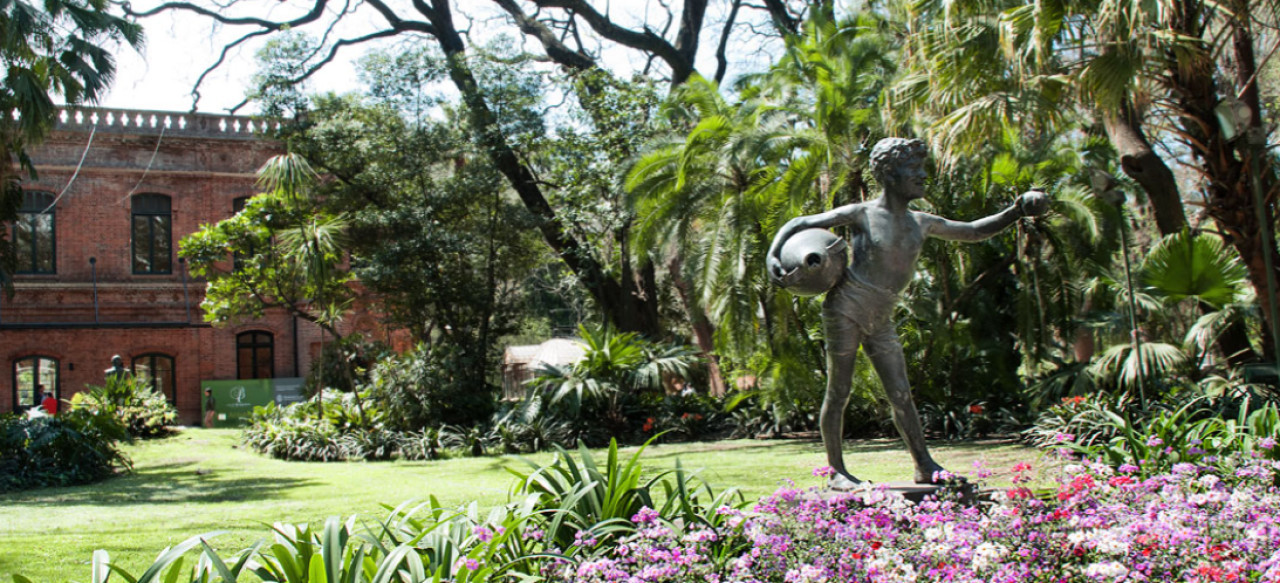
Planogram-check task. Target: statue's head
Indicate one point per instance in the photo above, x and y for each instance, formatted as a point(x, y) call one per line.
point(898, 165)
point(117, 361)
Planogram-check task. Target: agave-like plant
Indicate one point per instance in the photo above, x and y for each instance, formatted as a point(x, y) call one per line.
point(615, 364)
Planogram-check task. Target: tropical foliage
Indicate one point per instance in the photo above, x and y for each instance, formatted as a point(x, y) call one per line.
point(134, 404)
point(74, 447)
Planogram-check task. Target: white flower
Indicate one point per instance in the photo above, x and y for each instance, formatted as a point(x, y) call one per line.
point(988, 554)
point(1112, 541)
point(1106, 571)
point(939, 533)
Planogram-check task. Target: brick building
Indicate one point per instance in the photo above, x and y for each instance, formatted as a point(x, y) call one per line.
point(98, 268)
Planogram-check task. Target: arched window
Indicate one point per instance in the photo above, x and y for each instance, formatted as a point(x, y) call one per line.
point(33, 234)
point(156, 370)
point(31, 376)
point(152, 232)
point(254, 354)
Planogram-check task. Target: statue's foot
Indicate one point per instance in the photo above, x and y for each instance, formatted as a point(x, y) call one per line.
point(843, 482)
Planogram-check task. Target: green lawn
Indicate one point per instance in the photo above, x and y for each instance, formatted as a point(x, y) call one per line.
point(200, 481)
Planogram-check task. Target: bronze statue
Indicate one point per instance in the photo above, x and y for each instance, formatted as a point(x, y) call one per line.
point(886, 241)
point(117, 370)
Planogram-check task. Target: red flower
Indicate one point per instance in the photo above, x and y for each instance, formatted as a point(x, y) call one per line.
point(976, 409)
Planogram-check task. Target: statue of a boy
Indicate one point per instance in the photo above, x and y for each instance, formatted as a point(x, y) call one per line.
point(887, 238)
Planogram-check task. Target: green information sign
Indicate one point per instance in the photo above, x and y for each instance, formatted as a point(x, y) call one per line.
point(235, 400)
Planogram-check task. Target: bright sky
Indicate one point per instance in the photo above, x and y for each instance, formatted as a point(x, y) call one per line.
point(181, 46)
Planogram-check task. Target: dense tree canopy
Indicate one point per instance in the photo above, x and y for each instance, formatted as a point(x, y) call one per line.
point(657, 186)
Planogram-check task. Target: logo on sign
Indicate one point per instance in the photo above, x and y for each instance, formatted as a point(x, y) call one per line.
point(238, 393)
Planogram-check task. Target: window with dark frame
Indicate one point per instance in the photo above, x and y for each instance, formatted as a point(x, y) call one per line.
point(156, 370)
point(152, 234)
point(30, 375)
point(255, 352)
point(34, 241)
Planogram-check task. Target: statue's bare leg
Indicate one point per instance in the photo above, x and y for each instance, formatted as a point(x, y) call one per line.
point(885, 352)
point(842, 337)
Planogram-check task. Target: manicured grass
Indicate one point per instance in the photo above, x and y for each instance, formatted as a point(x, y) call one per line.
point(200, 481)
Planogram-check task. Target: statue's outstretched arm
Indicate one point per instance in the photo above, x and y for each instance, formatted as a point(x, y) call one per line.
point(844, 215)
point(1029, 204)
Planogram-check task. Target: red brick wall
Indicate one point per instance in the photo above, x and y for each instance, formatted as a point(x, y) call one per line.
point(203, 168)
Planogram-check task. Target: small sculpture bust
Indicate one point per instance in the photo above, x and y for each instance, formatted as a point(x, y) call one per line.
point(117, 370)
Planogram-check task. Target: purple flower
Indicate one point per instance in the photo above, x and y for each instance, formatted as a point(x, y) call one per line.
point(1154, 441)
point(645, 516)
point(1267, 442)
point(824, 471)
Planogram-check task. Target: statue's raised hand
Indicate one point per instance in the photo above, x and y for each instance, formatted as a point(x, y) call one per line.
point(1033, 203)
point(775, 270)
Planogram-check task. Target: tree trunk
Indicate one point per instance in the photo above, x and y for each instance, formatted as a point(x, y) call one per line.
point(629, 311)
point(1229, 195)
point(1141, 163)
point(703, 329)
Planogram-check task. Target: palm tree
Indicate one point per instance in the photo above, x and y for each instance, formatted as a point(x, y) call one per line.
point(730, 173)
point(1145, 69)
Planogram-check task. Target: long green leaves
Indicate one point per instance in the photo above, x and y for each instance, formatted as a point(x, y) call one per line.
point(562, 511)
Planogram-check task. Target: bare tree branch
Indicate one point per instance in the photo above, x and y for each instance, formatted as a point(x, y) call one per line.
point(270, 25)
point(782, 17)
point(722, 61)
point(647, 41)
point(195, 90)
point(555, 48)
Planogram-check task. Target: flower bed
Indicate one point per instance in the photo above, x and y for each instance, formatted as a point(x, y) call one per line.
point(1193, 524)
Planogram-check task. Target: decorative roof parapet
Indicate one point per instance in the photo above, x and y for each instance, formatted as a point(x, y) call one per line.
point(136, 121)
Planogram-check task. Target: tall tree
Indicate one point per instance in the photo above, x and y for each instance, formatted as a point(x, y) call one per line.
point(283, 251)
point(571, 34)
point(1181, 72)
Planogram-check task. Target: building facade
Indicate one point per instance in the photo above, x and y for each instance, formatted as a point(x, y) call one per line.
point(99, 274)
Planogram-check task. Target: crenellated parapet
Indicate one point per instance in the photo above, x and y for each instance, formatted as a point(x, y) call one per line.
point(135, 121)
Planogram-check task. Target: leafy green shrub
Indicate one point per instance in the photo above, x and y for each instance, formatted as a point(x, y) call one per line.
point(423, 445)
point(139, 408)
point(1085, 420)
point(424, 388)
point(688, 417)
point(1154, 441)
point(291, 433)
point(345, 364)
point(529, 426)
point(600, 394)
point(75, 447)
point(584, 495)
point(346, 431)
